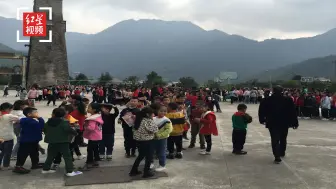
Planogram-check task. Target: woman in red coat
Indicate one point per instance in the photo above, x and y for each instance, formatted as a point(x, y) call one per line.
point(208, 127)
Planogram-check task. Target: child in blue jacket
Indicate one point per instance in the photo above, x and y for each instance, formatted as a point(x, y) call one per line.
point(31, 135)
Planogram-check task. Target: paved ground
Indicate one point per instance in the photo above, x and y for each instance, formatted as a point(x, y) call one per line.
point(309, 164)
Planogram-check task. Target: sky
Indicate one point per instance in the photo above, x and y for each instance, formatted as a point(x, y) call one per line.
point(254, 19)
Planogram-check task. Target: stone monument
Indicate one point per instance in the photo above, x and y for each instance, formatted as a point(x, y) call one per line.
point(48, 62)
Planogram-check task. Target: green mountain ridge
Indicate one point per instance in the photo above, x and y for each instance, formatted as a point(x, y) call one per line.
point(315, 67)
point(178, 48)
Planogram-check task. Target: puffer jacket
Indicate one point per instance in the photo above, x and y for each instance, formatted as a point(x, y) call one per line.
point(93, 127)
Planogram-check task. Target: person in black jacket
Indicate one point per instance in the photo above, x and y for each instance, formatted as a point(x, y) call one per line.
point(129, 142)
point(107, 142)
point(278, 114)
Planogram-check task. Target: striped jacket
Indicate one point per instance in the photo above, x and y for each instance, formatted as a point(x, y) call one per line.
point(178, 121)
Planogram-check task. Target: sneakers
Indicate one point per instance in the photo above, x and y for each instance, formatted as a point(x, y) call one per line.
point(170, 156)
point(48, 171)
point(73, 173)
point(149, 174)
point(109, 157)
point(102, 157)
point(191, 146)
point(151, 166)
point(239, 152)
point(179, 155)
point(134, 173)
point(54, 167)
point(81, 157)
point(160, 169)
point(21, 170)
point(277, 161)
point(205, 153)
point(202, 147)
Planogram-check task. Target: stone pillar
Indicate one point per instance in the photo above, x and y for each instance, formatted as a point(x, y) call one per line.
point(48, 62)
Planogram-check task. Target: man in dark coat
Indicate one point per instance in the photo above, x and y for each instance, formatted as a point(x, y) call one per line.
point(278, 114)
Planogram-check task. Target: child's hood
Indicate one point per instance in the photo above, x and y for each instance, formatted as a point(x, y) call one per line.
point(95, 117)
point(18, 113)
point(209, 113)
point(239, 114)
point(54, 122)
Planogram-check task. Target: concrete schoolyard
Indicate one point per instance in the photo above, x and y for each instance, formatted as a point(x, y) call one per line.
point(309, 164)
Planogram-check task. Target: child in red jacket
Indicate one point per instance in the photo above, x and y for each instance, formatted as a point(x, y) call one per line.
point(208, 127)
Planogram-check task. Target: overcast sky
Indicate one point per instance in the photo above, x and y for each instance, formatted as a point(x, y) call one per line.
point(255, 19)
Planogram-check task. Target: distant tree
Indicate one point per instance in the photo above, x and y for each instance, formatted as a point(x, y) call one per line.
point(291, 84)
point(105, 78)
point(297, 77)
point(188, 82)
point(80, 79)
point(212, 84)
point(153, 79)
point(132, 80)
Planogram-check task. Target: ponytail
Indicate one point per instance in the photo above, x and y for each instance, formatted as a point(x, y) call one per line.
point(144, 113)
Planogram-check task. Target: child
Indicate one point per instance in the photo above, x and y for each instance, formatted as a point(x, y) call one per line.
point(144, 133)
point(208, 127)
point(178, 120)
point(129, 142)
point(325, 107)
point(157, 100)
point(31, 135)
point(165, 128)
point(196, 112)
point(239, 123)
point(6, 134)
point(108, 131)
point(19, 105)
point(73, 144)
point(57, 132)
point(86, 102)
point(183, 109)
point(156, 107)
point(166, 101)
point(93, 132)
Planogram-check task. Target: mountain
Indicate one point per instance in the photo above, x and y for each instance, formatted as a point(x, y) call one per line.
point(315, 67)
point(5, 48)
point(178, 48)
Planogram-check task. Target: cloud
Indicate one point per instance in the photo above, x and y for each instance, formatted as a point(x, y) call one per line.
point(256, 19)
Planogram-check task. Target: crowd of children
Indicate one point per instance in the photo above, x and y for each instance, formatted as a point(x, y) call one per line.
point(149, 129)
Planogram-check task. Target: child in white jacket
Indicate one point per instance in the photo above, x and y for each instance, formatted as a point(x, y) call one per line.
point(7, 134)
point(325, 107)
point(18, 107)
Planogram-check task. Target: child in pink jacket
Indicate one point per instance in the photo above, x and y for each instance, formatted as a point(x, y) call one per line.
point(93, 132)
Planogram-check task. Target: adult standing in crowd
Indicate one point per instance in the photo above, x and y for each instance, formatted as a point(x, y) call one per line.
point(278, 114)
